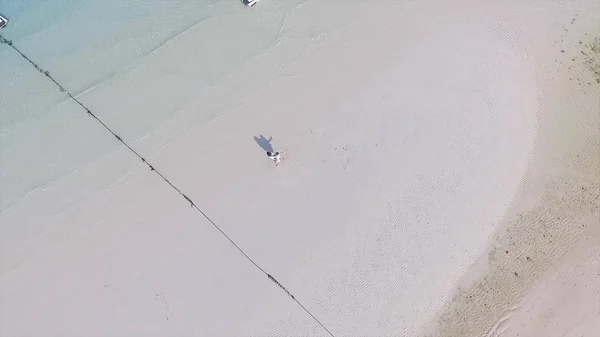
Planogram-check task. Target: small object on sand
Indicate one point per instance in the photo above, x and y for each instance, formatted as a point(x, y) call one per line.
point(250, 3)
point(276, 157)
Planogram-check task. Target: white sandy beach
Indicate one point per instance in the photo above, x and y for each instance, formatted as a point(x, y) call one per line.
point(440, 172)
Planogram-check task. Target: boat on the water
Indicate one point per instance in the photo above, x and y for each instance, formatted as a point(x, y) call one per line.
point(250, 3)
point(3, 21)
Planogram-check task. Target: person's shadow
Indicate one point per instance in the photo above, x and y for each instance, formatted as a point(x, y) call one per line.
point(264, 143)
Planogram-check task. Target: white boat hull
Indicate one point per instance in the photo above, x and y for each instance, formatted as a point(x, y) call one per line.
point(250, 3)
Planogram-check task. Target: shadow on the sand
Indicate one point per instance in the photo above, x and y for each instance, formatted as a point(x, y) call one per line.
point(264, 143)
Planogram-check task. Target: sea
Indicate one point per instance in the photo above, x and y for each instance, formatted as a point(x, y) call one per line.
point(90, 45)
point(82, 43)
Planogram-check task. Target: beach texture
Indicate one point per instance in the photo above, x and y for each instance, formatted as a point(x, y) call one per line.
point(440, 172)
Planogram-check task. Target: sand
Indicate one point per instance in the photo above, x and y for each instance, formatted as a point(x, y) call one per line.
point(565, 301)
point(439, 174)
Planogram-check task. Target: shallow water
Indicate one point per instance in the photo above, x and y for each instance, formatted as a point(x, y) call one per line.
point(83, 43)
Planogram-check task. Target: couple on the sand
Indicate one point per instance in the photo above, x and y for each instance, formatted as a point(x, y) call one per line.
point(265, 144)
point(276, 157)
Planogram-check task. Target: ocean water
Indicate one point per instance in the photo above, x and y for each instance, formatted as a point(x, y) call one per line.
point(83, 43)
point(114, 56)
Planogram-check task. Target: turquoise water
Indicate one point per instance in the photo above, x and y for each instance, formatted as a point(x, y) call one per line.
point(100, 29)
point(115, 57)
point(84, 42)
